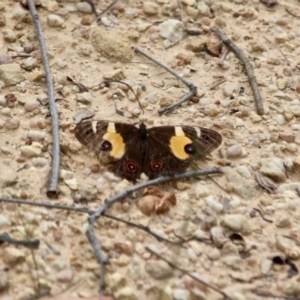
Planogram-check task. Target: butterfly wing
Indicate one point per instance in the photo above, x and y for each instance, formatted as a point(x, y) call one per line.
point(117, 143)
point(172, 149)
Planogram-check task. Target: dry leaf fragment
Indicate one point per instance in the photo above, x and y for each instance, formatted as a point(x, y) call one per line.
point(213, 45)
point(266, 182)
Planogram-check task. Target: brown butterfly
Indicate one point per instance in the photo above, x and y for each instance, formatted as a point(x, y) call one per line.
point(157, 151)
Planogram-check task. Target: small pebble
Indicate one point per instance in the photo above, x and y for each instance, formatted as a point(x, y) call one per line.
point(150, 8)
point(9, 35)
point(84, 7)
point(234, 151)
point(31, 105)
point(12, 124)
point(55, 20)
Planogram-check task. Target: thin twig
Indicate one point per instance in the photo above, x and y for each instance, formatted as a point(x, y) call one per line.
point(262, 215)
point(90, 230)
point(270, 295)
point(142, 227)
point(172, 265)
point(53, 180)
point(108, 8)
point(248, 67)
point(191, 86)
point(5, 238)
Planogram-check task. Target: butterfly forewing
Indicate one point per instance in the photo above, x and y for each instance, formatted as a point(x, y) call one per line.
point(205, 140)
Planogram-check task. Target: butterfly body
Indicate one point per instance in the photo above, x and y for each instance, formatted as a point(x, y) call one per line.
point(157, 151)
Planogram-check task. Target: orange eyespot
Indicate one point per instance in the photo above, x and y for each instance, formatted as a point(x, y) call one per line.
point(156, 165)
point(131, 166)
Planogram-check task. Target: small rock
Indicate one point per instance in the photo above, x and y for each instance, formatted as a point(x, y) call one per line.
point(116, 281)
point(65, 174)
point(4, 283)
point(84, 98)
point(31, 105)
point(273, 168)
point(8, 178)
point(229, 89)
point(126, 293)
point(281, 83)
point(84, 7)
point(234, 151)
point(214, 254)
point(112, 44)
point(65, 276)
point(40, 161)
point(237, 223)
point(158, 269)
point(265, 266)
point(295, 109)
point(88, 190)
point(240, 185)
point(11, 74)
point(72, 183)
point(172, 30)
point(213, 204)
point(180, 294)
point(36, 135)
point(150, 8)
point(12, 256)
point(234, 262)
point(291, 287)
point(30, 151)
point(55, 20)
point(203, 9)
point(29, 63)
point(282, 221)
point(297, 163)
point(12, 124)
point(4, 221)
point(217, 236)
point(152, 97)
point(9, 35)
point(117, 74)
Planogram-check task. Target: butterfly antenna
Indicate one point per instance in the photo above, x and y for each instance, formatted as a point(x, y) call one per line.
point(136, 97)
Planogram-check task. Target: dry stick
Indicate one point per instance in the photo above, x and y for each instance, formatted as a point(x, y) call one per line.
point(172, 265)
point(191, 86)
point(90, 230)
point(109, 7)
point(52, 186)
point(90, 212)
point(248, 67)
point(270, 295)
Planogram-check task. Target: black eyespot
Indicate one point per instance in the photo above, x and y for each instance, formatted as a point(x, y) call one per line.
point(89, 131)
point(205, 137)
point(156, 166)
point(106, 146)
point(189, 148)
point(131, 166)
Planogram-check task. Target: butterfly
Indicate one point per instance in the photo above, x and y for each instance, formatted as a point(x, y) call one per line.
point(135, 149)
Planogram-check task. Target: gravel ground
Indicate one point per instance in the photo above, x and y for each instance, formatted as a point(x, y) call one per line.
point(241, 230)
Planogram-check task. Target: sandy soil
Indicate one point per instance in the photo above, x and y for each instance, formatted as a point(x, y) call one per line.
point(240, 238)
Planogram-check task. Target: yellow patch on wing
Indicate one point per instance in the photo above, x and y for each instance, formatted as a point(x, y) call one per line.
point(178, 142)
point(116, 140)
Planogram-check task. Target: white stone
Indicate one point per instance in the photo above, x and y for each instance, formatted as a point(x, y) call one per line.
point(172, 30)
point(55, 20)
